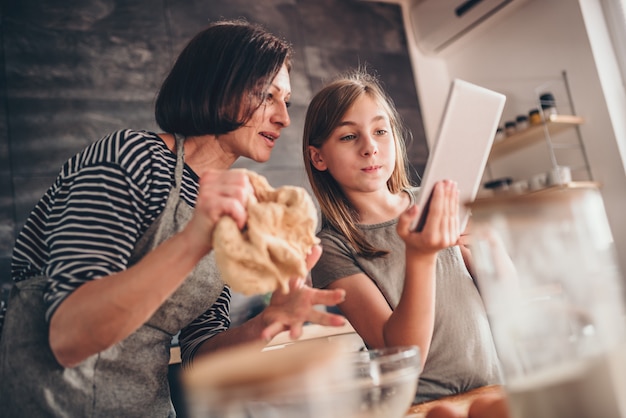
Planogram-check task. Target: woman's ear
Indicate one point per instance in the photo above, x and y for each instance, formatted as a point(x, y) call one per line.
point(316, 158)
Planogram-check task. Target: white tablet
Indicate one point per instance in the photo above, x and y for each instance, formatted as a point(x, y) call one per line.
point(462, 146)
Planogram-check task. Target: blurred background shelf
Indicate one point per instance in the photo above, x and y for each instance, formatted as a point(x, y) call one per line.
point(555, 124)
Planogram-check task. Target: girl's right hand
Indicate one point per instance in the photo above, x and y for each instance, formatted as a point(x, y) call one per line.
point(441, 229)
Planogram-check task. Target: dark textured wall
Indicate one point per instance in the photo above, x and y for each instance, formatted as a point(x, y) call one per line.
point(74, 70)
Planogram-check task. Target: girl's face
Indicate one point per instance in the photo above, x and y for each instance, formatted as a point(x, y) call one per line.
point(360, 153)
point(256, 139)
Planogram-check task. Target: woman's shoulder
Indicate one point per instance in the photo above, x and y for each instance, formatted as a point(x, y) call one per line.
point(124, 143)
point(126, 148)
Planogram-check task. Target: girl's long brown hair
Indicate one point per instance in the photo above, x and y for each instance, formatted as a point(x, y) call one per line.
point(324, 114)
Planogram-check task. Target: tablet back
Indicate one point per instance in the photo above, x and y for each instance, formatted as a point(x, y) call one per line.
point(463, 143)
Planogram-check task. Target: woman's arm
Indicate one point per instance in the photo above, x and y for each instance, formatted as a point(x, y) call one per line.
point(102, 312)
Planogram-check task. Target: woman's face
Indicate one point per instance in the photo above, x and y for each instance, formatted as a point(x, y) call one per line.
point(256, 139)
point(360, 153)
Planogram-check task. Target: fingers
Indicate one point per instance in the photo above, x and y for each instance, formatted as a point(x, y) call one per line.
point(295, 331)
point(452, 197)
point(224, 193)
point(291, 311)
point(328, 297)
point(272, 330)
point(442, 224)
point(406, 220)
point(327, 319)
point(313, 256)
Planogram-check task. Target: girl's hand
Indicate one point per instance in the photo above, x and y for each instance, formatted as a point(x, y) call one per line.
point(289, 311)
point(221, 192)
point(441, 229)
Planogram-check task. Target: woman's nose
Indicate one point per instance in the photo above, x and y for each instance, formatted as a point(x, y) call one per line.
point(281, 115)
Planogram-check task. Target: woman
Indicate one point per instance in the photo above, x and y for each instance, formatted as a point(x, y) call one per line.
point(115, 258)
point(402, 287)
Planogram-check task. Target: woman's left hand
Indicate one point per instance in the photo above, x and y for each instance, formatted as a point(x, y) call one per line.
point(289, 311)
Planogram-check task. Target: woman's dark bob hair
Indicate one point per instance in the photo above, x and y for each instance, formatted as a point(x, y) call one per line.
point(220, 79)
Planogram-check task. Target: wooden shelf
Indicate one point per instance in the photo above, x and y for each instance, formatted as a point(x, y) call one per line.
point(510, 196)
point(534, 134)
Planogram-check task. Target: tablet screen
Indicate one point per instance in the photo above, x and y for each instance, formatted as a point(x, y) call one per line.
point(462, 145)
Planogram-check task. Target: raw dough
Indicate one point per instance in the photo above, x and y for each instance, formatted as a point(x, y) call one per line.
point(272, 247)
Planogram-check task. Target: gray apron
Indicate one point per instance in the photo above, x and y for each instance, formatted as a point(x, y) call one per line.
point(126, 380)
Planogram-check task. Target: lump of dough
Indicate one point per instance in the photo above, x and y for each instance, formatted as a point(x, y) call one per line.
point(272, 247)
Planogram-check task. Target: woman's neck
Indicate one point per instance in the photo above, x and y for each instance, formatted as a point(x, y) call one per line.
point(201, 153)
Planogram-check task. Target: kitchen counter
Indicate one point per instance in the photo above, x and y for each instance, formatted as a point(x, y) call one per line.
point(345, 335)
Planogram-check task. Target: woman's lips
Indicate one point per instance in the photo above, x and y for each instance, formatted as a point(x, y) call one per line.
point(270, 137)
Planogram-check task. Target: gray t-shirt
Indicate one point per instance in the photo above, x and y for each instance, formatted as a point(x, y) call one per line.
point(462, 354)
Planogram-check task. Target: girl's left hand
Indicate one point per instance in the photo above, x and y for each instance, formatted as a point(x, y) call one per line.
point(289, 311)
point(441, 229)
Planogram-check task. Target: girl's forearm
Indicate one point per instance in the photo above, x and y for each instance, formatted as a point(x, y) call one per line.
point(412, 321)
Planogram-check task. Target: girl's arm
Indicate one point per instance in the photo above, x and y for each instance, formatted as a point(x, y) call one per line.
point(412, 321)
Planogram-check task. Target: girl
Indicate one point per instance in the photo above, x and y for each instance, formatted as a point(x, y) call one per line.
point(402, 287)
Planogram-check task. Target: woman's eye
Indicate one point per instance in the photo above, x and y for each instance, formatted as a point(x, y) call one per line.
point(287, 104)
point(347, 137)
point(381, 131)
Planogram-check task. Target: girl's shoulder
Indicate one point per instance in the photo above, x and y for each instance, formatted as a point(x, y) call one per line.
point(413, 191)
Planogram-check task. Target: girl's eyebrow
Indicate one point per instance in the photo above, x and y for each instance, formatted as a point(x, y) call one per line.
point(351, 123)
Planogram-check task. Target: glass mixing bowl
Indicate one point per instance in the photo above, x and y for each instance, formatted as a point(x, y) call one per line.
point(306, 380)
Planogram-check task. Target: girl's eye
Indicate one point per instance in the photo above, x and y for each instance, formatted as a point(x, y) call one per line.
point(268, 98)
point(347, 137)
point(381, 131)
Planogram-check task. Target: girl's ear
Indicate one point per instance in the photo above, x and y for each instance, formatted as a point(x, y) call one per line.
point(316, 158)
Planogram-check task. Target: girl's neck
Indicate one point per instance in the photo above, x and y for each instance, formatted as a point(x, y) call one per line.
point(379, 207)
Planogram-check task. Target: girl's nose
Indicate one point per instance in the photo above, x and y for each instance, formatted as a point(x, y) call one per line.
point(370, 146)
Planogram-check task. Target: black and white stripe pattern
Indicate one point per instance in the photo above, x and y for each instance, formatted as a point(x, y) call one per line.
point(87, 223)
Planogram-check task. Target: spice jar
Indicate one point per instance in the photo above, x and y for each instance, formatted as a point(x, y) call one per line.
point(521, 122)
point(534, 117)
point(499, 134)
point(510, 127)
point(548, 105)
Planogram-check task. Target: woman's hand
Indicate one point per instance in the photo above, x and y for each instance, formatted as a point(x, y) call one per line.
point(289, 311)
point(221, 193)
point(441, 229)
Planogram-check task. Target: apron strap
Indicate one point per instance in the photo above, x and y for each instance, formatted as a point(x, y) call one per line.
point(180, 160)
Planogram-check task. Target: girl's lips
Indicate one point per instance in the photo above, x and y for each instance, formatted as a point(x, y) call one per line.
point(372, 168)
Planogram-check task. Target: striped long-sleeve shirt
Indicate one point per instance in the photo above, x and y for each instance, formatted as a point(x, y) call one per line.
point(87, 223)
